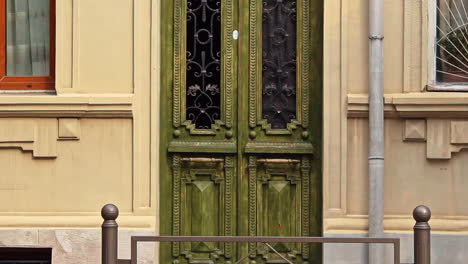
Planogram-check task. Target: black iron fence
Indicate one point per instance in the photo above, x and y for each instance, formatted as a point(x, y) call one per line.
point(422, 246)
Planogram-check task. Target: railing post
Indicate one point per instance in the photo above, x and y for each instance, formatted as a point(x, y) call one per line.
point(422, 235)
point(109, 234)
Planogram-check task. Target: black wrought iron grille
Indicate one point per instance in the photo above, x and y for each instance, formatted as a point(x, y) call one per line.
point(203, 106)
point(279, 62)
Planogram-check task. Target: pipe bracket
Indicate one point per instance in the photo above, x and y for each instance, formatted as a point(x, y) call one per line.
point(376, 37)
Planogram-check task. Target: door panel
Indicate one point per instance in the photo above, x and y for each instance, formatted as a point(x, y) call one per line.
point(278, 203)
point(241, 125)
point(202, 206)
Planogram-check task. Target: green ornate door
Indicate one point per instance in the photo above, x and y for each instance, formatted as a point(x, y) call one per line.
point(241, 127)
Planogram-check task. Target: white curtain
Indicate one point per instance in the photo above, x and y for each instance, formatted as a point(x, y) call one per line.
point(28, 37)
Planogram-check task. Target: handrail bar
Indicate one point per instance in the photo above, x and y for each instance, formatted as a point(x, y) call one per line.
point(110, 212)
point(265, 239)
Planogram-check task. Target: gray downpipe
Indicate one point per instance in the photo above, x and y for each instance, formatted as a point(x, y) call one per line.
point(376, 128)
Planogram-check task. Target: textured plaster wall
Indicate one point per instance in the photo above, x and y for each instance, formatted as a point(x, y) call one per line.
point(87, 172)
point(425, 142)
point(445, 248)
point(65, 155)
point(410, 178)
point(76, 246)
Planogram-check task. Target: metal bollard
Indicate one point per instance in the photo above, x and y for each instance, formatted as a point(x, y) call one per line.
point(109, 234)
point(422, 235)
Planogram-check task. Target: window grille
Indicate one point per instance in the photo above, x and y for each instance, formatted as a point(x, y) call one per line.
point(451, 56)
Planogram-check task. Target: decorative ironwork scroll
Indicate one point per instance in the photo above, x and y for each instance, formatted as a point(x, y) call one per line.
point(203, 76)
point(279, 62)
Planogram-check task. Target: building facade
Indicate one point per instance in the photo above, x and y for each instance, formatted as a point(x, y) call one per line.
point(268, 136)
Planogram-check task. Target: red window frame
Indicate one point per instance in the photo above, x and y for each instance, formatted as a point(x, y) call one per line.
point(25, 82)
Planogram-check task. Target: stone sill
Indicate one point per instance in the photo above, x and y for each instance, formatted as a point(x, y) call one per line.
point(69, 105)
point(413, 105)
point(447, 87)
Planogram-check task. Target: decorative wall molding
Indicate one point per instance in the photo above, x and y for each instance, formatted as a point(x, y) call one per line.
point(116, 106)
point(38, 135)
point(446, 137)
point(415, 130)
point(430, 117)
point(69, 129)
point(414, 105)
point(415, 36)
point(337, 25)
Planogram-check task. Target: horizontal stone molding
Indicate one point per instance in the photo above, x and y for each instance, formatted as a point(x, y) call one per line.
point(413, 105)
point(353, 224)
point(69, 105)
point(73, 221)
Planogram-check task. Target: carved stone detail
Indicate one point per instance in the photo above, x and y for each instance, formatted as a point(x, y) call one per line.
point(415, 130)
point(38, 135)
point(443, 136)
point(459, 132)
point(69, 129)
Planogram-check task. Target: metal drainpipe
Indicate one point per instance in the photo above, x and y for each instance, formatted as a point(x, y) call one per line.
point(376, 128)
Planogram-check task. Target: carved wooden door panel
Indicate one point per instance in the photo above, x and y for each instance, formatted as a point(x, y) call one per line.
point(240, 127)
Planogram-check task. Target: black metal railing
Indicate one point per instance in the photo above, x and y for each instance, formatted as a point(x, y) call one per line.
point(110, 212)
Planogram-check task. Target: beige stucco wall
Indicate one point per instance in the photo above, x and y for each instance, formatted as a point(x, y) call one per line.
point(64, 155)
point(424, 132)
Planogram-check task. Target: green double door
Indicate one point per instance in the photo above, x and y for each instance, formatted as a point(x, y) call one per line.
point(241, 127)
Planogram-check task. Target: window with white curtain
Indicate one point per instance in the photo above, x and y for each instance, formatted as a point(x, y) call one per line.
point(27, 39)
point(450, 33)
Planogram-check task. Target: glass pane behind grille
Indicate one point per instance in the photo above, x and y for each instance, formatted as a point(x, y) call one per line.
point(28, 38)
point(452, 41)
point(203, 62)
point(279, 62)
